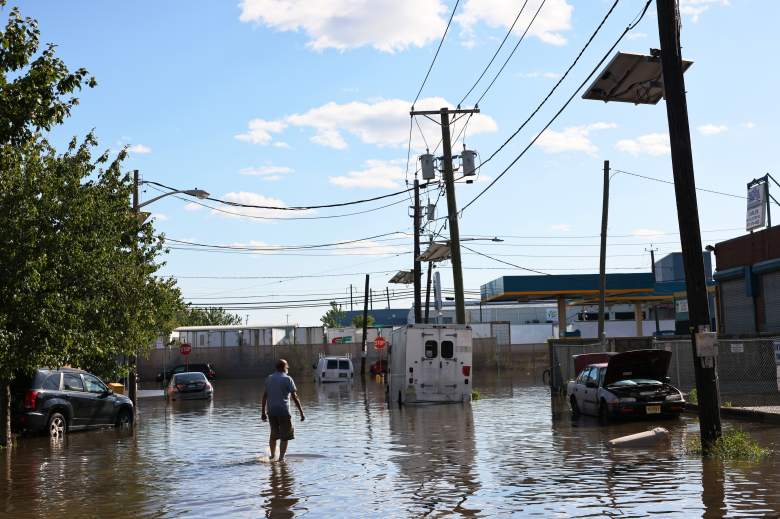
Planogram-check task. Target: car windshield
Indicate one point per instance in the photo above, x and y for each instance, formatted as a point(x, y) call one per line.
point(636, 382)
point(186, 378)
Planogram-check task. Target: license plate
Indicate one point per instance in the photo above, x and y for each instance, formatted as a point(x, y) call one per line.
point(342, 375)
point(653, 409)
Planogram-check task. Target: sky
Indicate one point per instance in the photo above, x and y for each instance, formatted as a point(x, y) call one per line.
point(298, 103)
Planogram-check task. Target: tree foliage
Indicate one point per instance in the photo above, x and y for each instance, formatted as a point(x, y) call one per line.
point(357, 321)
point(76, 268)
point(333, 317)
point(190, 316)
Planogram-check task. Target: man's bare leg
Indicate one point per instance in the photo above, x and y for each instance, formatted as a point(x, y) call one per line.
point(272, 445)
point(282, 449)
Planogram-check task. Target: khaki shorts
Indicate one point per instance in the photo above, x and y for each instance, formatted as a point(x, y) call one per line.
point(281, 428)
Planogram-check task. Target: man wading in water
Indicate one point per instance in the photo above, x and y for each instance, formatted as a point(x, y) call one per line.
point(279, 386)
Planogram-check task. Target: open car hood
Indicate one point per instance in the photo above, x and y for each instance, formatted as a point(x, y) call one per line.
point(582, 360)
point(650, 364)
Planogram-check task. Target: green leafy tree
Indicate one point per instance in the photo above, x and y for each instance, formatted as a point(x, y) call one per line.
point(333, 317)
point(357, 321)
point(77, 268)
point(190, 316)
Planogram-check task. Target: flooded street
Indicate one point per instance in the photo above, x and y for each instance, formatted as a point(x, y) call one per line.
point(510, 453)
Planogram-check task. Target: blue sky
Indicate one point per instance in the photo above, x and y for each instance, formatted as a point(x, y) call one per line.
point(299, 103)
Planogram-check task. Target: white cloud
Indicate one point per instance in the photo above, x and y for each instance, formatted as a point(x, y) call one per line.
point(650, 144)
point(272, 178)
point(636, 35)
point(249, 198)
point(281, 144)
point(192, 207)
point(575, 138)
point(535, 75)
point(749, 125)
point(160, 217)
point(553, 19)
point(382, 122)
point(266, 170)
point(139, 149)
point(695, 8)
point(260, 131)
point(384, 174)
point(386, 25)
point(561, 227)
point(369, 247)
point(712, 129)
point(647, 233)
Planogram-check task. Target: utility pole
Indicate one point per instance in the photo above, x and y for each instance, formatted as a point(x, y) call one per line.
point(417, 269)
point(428, 292)
point(365, 331)
point(371, 299)
point(387, 291)
point(603, 253)
point(688, 217)
point(132, 391)
point(452, 209)
point(350, 297)
point(652, 269)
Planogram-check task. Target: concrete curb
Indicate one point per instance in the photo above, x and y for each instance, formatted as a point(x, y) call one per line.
point(740, 414)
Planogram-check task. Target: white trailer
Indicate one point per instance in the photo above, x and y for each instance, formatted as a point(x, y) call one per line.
point(430, 363)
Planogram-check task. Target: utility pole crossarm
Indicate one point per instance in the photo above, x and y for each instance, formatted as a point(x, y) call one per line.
point(438, 112)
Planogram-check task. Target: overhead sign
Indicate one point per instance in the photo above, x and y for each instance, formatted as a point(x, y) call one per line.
point(756, 206)
point(185, 349)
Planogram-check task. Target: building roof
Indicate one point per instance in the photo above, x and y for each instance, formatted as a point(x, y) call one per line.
point(232, 327)
point(527, 288)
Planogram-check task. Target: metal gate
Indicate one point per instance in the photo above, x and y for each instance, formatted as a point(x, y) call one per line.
point(771, 291)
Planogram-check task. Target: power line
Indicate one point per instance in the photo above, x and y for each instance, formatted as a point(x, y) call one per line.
point(441, 42)
point(560, 111)
point(505, 262)
point(672, 183)
point(284, 247)
point(555, 87)
point(510, 54)
point(293, 208)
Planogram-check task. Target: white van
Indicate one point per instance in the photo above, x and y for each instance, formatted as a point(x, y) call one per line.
point(334, 369)
point(430, 363)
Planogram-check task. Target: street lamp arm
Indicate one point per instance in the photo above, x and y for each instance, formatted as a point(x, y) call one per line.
point(151, 200)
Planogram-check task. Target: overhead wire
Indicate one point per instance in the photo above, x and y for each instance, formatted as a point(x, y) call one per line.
point(436, 55)
point(712, 191)
point(505, 262)
point(559, 112)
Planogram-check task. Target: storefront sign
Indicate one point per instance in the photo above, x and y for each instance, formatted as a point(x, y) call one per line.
point(737, 347)
point(756, 207)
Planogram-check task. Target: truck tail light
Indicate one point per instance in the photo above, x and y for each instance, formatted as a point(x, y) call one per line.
point(30, 400)
point(466, 371)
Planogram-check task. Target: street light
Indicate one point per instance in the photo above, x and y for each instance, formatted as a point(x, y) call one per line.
point(197, 193)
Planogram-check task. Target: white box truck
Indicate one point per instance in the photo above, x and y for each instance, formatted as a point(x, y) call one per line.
point(430, 363)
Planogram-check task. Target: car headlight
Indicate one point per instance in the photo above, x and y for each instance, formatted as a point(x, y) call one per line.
point(674, 397)
point(627, 400)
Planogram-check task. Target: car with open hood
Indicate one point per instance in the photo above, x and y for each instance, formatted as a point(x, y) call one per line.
point(627, 384)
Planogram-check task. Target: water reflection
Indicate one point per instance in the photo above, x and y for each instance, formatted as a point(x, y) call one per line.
point(278, 495)
point(434, 450)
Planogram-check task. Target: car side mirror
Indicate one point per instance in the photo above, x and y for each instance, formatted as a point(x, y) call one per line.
point(106, 393)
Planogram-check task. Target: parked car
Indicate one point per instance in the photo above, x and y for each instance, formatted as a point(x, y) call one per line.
point(58, 401)
point(206, 369)
point(632, 383)
point(334, 369)
point(189, 386)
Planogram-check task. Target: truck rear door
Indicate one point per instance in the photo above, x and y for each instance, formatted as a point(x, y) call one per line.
point(449, 372)
point(428, 380)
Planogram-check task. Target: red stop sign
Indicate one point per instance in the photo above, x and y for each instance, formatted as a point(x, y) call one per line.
point(380, 343)
point(185, 349)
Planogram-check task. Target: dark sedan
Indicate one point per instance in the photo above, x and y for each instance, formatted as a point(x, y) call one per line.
point(189, 386)
point(61, 400)
point(629, 384)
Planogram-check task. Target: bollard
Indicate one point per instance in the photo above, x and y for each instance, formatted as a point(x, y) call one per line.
point(643, 439)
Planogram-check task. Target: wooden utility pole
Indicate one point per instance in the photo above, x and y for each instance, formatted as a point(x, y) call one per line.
point(365, 331)
point(387, 291)
point(655, 306)
point(603, 253)
point(452, 208)
point(350, 298)
point(688, 217)
point(417, 268)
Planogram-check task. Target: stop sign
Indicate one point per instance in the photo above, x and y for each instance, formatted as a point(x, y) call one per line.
point(185, 349)
point(379, 342)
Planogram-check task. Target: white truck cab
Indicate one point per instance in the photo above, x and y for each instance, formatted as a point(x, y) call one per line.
point(334, 369)
point(430, 363)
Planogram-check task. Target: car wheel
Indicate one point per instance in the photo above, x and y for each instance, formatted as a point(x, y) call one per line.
point(575, 409)
point(124, 420)
point(57, 426)
point(603, 412)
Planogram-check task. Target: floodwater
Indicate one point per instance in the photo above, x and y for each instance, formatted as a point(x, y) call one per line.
point(515, 453)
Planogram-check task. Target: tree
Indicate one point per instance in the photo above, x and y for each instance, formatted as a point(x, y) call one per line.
point(77, 268)
point(334, 317)
point(357, 321)
point(190, 316)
